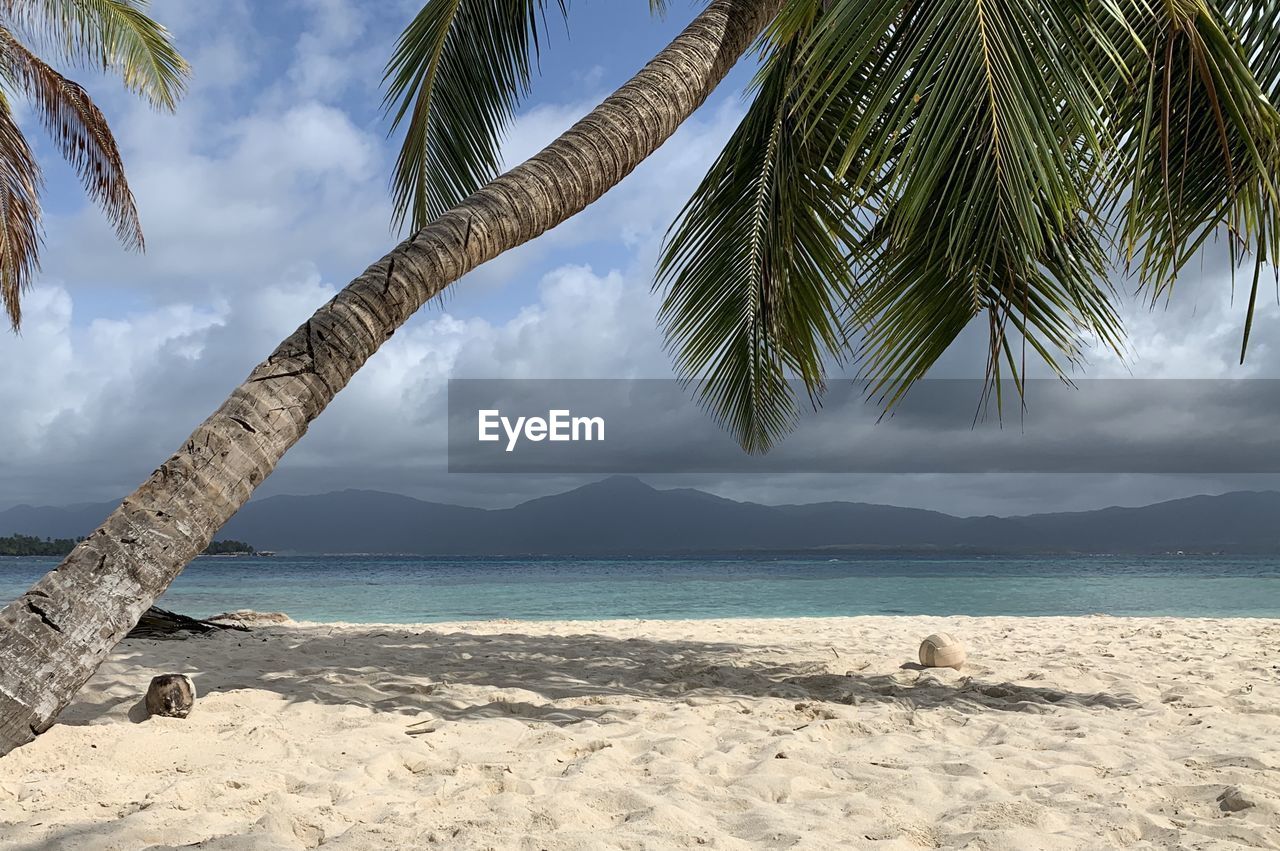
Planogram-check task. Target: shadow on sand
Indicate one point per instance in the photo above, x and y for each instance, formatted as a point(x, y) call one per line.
point(563, 678)
point(540, 679)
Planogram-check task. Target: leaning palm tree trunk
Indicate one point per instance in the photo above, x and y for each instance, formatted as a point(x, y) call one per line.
point(53, 637)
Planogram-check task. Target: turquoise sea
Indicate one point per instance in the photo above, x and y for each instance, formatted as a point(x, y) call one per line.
point(410, 589)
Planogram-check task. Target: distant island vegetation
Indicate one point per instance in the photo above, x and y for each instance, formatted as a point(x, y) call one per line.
point(29, 545)
point(230, 548)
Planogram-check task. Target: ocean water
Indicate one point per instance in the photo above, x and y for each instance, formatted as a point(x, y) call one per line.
point(413, 589)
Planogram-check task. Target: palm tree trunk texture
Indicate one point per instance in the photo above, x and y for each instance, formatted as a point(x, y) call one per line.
point(54, 636)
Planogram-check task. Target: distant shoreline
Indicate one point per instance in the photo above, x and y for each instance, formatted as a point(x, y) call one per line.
point(18, 545)
point(835, 555)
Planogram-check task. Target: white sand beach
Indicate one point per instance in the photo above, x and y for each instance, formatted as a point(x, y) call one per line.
point(1060, 733)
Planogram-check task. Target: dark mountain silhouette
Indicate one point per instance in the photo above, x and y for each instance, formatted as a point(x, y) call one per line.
point(68, 521)
point(623, 515)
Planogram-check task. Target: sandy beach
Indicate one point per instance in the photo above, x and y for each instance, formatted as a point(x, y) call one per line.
point(1074, 733)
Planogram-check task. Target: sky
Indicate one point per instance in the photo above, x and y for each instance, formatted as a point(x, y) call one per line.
point(267, 191)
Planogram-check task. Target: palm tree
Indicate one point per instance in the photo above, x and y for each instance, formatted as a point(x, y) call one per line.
point(904, 169)
point(110, 35)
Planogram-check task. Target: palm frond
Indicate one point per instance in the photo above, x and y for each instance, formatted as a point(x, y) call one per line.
point(755, 271)
point(20, 183)
point(111, 35)
point(1255, 25)
point(457, 74)
point(80, 131)
point(977, 140)
point(1203, 154)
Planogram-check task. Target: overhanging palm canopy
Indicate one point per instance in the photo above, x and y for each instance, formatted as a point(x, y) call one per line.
point(905, 169)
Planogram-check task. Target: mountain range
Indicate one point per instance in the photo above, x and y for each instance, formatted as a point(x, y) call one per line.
point(623, 515)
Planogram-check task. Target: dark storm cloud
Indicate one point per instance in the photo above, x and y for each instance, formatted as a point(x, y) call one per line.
point(943, 426)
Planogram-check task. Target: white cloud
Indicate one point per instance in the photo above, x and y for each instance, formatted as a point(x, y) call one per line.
point(1197, 332)
point(108, 399)
point(333, 56)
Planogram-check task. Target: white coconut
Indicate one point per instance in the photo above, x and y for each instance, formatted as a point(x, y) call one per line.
point(942, 650)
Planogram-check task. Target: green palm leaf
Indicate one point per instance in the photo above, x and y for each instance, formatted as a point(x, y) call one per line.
point(1255, 25)
point(113, 35)
point(755, 272)
point(974, 140)
point(995, 150)
point(1203, 154)
point(457, 74)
